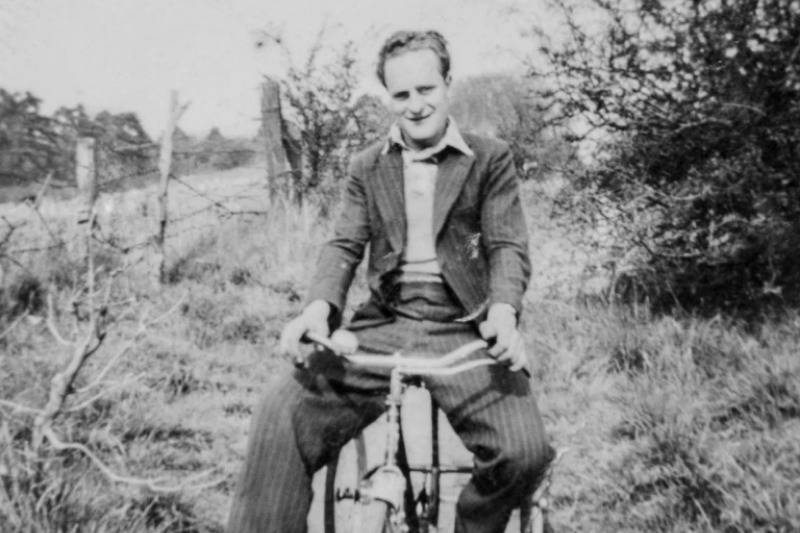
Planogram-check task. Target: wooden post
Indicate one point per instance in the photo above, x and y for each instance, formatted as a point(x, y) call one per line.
point(272, 128)
point(164, 169)
point(86, 178)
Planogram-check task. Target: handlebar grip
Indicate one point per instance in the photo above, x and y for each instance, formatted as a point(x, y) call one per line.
point(309, 338)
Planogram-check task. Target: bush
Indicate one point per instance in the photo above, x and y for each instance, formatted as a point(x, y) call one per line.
point(698, 170)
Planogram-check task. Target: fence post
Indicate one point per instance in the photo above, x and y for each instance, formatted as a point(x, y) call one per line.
point(164, 169)
point(86, 178)
point(272, 128)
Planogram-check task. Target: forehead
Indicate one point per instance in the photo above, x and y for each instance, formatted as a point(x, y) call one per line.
point(412, 68)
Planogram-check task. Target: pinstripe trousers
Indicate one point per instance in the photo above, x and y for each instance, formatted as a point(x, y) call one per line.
point(306, 415)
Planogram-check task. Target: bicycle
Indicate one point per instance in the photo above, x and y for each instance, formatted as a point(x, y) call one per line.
point(382, 499)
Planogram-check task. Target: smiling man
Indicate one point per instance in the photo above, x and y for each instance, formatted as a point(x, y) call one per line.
point(448, 262)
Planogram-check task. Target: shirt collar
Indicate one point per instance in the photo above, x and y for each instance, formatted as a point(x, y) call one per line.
point(452, 138)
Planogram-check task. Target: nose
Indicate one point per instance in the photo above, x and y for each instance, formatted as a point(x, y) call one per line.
point(416, 104)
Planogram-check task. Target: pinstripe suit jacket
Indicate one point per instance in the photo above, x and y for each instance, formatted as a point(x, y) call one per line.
point(478, 224)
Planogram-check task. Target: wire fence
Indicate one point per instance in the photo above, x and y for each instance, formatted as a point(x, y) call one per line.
point(137, 195)
point(125, 218)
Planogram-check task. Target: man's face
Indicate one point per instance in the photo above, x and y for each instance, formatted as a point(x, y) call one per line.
point(419, 96)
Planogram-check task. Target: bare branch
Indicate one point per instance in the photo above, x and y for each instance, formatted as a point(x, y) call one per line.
point(140, 330)
point(108, 388)
point(51, 322)
point(61, 385)
point(18, 407)
point(40, 195)
point(9, 232)
point(153, 485)
point(13, 324)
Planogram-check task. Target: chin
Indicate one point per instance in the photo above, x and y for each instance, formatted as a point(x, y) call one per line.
point(424, 137)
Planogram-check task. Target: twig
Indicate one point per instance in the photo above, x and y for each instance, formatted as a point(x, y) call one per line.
point(107, 390)
point(255, 212)
point(14, 324)
point(18, 251)
point(51, 322)
point(18, 407)
point(127, 346)
point(11, 229)
point(143, 325)
point(38, 200)
point(150, 484)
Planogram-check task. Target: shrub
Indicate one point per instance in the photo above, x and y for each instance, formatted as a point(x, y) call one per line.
point(695, 109)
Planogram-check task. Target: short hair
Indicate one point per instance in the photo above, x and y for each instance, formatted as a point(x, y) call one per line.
point(406, 41)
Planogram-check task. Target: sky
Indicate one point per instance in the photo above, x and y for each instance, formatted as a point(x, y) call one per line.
point(126, 55)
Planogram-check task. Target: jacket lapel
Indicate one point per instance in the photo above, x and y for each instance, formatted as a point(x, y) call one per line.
point(453, 172)
point(390, 197)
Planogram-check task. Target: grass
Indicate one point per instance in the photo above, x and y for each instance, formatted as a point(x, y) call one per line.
point(671, 423)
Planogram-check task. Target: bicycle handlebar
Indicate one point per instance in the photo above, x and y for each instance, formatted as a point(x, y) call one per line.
point(444, 365)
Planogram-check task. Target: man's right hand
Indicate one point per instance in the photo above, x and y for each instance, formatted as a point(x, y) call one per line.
point(313, 319)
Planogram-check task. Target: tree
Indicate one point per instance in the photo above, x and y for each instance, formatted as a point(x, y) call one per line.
point(371, 119)
point(697, 107)
point(34, 145)
point(29, 144)
point(319, 93)
point(510, 108)
point(330, 118)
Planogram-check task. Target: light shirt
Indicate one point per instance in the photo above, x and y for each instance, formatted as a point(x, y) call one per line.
point(420, 170)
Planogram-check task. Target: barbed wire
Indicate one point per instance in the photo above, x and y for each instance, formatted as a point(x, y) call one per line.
point(122, 150)
point(198, 192)
point(216, 204)
point(206, 152)
point(112, 241)
point(138, 174)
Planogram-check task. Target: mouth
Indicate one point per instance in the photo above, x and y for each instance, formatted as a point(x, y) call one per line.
point(417, 120)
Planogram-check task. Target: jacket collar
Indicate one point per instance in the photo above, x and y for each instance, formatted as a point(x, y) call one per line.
point(452, 138)
point(390, 196)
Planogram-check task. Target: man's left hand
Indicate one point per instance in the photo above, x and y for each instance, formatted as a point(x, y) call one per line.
point(501, 325)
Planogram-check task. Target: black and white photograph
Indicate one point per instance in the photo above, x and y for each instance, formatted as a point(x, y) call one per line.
point(432, 266)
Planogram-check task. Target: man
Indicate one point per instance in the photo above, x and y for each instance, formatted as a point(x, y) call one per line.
point(448, 262)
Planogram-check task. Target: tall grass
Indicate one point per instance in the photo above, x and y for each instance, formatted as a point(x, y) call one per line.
point(684, 424)
point(671, 423)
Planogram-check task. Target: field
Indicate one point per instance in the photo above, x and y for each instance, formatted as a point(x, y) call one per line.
point(670, 423)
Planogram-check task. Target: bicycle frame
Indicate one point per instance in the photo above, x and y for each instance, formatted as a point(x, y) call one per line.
point(388, 482)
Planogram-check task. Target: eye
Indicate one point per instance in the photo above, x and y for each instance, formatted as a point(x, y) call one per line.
point(403, 95)
point(426, 89)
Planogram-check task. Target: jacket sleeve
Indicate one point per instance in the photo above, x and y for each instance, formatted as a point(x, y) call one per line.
point(341, 254)
point(505, 232)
